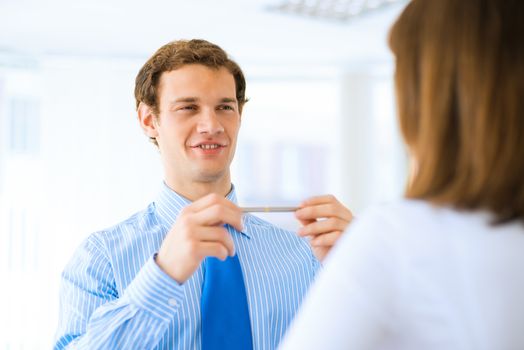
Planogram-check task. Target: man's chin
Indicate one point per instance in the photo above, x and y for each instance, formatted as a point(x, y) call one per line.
point(210, 176)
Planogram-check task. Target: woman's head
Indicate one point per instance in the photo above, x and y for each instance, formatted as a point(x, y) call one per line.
point(460, 93)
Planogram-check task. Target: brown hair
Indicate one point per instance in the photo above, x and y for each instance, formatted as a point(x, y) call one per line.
point(460, 93)
point(177, 54)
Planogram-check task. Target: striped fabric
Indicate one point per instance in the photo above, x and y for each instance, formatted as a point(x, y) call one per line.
point(114, 296)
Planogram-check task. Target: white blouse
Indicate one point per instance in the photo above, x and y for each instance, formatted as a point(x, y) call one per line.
point(413, 276)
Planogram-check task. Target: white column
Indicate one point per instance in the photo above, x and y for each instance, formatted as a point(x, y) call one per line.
point(373, 159)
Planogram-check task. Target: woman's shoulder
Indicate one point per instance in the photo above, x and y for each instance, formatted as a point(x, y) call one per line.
point(425, 224)
point(399, 214)
point(418, 214)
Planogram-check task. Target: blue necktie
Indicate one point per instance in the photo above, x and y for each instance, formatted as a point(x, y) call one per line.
point(225, 314)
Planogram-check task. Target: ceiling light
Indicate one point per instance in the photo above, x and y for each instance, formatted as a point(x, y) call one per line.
point(341, 10)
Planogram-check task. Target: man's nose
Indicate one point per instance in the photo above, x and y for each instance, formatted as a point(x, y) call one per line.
point(208, 123)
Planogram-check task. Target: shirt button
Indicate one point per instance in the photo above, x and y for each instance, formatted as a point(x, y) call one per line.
point(172, 302)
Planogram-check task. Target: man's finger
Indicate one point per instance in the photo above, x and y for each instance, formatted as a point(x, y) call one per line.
point(325, 240)
point(306, 222)
point(213, 249)
point(209, 200)
point(323, 226)
point(328, 198)
point(217, 235)
point(324, 211)
point(217, 215)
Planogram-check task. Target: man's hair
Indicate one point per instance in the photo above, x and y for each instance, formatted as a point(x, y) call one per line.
point(460, 93)
point(179, 53)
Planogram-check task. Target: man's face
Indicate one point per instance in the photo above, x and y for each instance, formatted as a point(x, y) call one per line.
point(198, 123)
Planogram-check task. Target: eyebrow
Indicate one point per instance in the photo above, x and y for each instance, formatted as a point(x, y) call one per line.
point(196, 99)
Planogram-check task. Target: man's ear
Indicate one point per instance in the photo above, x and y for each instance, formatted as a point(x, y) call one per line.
point(147, 120)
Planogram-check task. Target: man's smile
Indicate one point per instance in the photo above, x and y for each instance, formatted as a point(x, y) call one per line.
point(209, 147)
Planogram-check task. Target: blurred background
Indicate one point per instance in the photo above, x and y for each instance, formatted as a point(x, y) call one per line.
point(321, 119)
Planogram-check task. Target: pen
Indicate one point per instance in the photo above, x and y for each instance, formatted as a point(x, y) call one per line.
point(268, 209)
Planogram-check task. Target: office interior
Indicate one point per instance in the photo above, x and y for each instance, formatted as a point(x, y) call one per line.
point(73, 160)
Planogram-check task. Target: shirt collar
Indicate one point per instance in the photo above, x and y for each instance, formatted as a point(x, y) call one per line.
point(169, 204)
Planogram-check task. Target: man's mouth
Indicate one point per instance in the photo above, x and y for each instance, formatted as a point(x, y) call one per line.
point(209, 146)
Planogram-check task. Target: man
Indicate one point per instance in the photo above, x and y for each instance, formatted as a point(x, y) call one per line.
point(143, 284)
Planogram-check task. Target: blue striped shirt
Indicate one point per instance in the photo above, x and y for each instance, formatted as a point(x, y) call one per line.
point(114, 296)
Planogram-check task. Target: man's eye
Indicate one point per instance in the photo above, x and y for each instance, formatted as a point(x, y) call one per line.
point(188, 108)
point(226, 107)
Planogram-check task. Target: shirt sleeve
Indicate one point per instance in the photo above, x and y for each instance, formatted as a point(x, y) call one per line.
point(94, 316)
point(350, 305)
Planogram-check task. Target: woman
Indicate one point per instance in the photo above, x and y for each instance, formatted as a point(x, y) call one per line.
point(444, 267)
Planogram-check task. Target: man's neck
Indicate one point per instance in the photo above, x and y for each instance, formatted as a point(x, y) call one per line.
point(196, 190)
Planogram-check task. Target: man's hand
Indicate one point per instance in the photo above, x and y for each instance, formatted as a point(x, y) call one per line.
point(324, 219)
point(199, 232)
